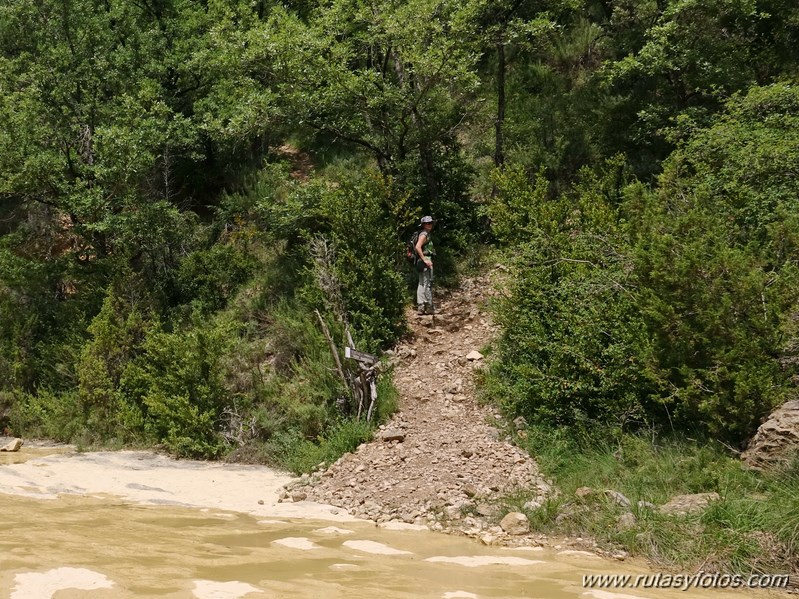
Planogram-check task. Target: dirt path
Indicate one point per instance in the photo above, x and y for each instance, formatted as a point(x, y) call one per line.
point(439, 462)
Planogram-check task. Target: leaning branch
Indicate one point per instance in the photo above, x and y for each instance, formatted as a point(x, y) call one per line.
point(333, 349)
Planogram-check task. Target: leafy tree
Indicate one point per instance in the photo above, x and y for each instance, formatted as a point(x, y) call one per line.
point(393, 81)
point(717, 257)
point(675, 305)
point(695, 55)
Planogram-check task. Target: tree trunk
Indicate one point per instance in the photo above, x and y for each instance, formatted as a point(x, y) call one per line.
point(428, 168)
point(499, 149)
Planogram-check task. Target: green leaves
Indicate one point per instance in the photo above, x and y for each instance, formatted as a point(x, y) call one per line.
point(384, 80)
point(675, 305)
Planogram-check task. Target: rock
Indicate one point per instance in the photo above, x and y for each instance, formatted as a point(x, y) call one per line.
point(515, 523)
point(583, 492)
point(454, 513)
point(532, 505)
point(626, 521)
point(618, 499)
point(520, 423)
point(392, 435)
point(645, 505)
point(485, 509)
point(776, 442)
point(470, 490)
point(299, 496)
point(688, 504)
point(474, 356)
point(568, 511)
point(620, 555)
point(10, 444)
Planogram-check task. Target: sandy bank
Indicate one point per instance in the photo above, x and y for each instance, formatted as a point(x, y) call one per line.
point(149, 478)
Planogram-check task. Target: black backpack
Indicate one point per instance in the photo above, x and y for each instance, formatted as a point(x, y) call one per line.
point(410, 249)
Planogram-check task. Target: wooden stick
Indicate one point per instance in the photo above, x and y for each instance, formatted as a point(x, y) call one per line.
point(372, 392)
point(361, 392)
point(333, 350)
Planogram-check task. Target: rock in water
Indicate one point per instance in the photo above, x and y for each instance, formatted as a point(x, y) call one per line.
point(7, 444)
point(777, 439)
point(515, 523)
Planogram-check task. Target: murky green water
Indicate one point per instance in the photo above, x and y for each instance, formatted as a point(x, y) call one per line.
point(114, 548)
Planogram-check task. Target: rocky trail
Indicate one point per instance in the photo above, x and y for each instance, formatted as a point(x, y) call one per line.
point(440, 461)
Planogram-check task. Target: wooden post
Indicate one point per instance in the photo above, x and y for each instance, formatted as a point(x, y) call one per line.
point(372, 393)
point(361, 392)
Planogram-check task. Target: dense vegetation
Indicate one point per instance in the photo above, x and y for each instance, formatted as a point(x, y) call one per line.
point(183, 184)
point(752, 527)
point(672, 305)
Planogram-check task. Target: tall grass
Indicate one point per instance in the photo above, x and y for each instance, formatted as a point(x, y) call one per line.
point(754, 527)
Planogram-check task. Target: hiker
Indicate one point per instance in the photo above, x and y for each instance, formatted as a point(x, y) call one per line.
point(424, 249)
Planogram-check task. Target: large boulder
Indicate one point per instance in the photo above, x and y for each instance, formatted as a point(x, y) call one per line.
point(777, 439)
point(515, 523)
point(10, 444)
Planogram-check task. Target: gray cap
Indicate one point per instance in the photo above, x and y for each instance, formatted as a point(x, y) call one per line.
point(427, 219)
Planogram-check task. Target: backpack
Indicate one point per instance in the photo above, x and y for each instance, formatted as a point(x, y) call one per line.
point(410, 249)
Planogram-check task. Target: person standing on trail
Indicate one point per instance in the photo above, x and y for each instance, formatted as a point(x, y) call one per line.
point(425, 252)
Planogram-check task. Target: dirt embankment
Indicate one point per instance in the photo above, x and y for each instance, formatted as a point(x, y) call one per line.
point(441, 461)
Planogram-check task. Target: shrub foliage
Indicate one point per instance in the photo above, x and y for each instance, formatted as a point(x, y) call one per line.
point(669, 305)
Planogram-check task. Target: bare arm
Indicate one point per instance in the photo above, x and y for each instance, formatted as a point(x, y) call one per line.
point(419, 248)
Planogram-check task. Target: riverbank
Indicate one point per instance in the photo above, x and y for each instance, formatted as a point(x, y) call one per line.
point(130, 524)
point(42, 471)
point(446, 462)
point(680, 504)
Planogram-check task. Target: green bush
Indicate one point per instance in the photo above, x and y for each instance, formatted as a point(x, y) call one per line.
point(716, 261)
point(179, 382)
point(48, 415)
point(118, 335)
point(752, 528)
point(573, 348)
point(44, 310)
point(360, 220)
point(298, 454)
point(211, 277)
point(363, 227)
point(673, 306)
point(139, 384)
